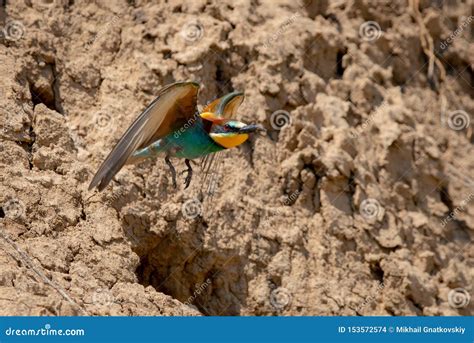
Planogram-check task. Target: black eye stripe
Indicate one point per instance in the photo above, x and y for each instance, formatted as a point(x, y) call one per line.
point(229, 128)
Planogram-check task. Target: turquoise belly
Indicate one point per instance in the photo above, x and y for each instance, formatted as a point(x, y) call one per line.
point(189, 143)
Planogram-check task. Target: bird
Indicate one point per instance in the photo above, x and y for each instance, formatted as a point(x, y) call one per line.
point(172, 127)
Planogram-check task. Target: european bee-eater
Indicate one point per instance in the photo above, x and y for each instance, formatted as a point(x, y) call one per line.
point(172, 126)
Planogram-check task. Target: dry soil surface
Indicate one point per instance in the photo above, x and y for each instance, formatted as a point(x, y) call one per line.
point(359, 199)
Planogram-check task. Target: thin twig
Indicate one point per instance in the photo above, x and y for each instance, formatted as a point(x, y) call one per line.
point(26, 261)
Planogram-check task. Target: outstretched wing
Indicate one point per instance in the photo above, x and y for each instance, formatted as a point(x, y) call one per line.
point(174, 105)
point(225, 107)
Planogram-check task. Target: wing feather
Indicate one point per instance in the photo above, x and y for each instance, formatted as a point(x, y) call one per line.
point(227, 105)
point(174, 104)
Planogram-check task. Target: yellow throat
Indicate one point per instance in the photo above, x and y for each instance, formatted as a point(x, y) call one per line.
point(229, 140)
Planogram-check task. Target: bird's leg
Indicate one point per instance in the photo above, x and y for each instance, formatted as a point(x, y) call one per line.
point(172, 170)
point(187, 181)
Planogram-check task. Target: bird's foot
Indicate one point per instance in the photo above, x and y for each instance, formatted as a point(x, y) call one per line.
point(187, 180)
point(172, 170)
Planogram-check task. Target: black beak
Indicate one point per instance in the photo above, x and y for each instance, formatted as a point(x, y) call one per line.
point(251, 128)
